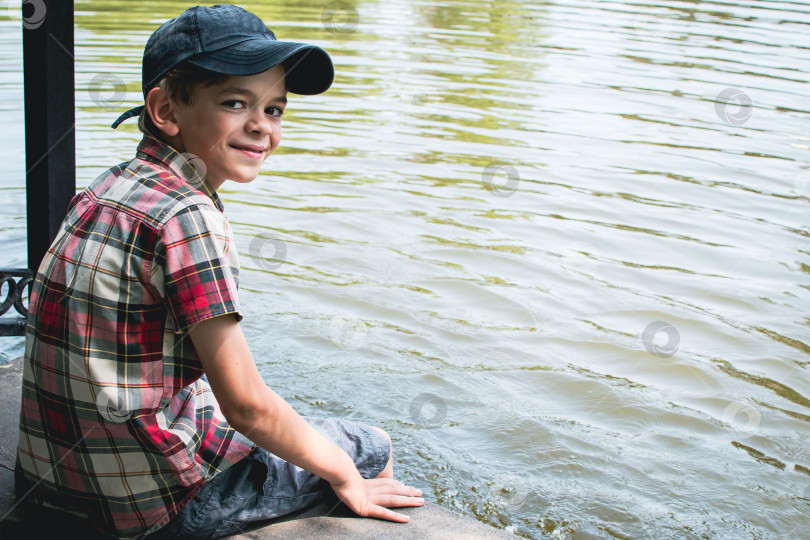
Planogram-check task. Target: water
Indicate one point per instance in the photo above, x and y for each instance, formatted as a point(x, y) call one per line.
point(558, 250)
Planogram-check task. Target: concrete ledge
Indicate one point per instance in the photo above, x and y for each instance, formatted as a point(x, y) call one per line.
point(328, 520)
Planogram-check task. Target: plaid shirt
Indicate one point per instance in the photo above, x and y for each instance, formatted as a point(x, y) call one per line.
point(118, 422)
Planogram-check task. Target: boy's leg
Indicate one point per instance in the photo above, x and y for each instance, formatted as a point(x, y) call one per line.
point(388, 472)
point(263, 487)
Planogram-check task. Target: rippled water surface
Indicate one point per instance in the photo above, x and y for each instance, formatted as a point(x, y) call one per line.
point(558, 250)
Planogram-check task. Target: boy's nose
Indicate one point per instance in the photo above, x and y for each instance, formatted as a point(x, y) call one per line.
point(259, 123)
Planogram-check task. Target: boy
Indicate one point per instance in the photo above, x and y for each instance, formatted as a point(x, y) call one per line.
point(142, 407)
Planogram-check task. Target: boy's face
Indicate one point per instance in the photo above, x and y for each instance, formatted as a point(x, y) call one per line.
point(233, 126)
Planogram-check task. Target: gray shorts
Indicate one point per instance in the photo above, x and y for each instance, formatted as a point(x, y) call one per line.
point(262, 486)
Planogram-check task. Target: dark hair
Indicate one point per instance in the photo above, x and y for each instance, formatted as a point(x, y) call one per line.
point(180, 82)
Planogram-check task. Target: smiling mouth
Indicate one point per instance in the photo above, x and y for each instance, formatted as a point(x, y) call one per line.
point(250, 149)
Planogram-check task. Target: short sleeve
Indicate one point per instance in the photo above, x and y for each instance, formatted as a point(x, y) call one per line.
point(196, 267)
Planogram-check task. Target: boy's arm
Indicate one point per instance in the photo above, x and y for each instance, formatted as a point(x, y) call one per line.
point(260, 414)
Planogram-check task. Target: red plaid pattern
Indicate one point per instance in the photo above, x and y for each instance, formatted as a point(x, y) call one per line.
point(118, 422)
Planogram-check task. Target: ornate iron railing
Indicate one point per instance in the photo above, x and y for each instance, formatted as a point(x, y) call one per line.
point(14, 281)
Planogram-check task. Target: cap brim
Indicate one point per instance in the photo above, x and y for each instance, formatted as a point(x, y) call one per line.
point(129, 114)
point(309, 68)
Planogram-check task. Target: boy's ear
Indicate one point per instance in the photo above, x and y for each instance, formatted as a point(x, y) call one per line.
point(162, 108)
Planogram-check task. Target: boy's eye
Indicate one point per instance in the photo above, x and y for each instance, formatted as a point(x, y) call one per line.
point(234, 104)
point(274, 111)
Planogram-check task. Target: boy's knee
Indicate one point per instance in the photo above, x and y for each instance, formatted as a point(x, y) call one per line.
point(384, 433)
point(388, 471)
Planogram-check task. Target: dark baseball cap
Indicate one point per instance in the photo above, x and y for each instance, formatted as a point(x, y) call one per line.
point(227, 39)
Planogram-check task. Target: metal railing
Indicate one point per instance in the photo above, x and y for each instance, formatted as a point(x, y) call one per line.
point(15, 281)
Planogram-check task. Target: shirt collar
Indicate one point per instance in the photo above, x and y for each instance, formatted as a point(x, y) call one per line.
point(184, 165)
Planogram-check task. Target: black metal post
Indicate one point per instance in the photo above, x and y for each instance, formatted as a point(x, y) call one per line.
point(50, 145)
point(50, 120)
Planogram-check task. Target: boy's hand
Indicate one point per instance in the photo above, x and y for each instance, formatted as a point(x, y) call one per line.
point(256, 411)
point(369, 498)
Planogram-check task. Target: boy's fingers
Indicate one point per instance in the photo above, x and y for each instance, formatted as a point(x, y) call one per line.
point(397, 501)
point(397, 490)
point(385, 482)
point(385, 513)
point(386, 485)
